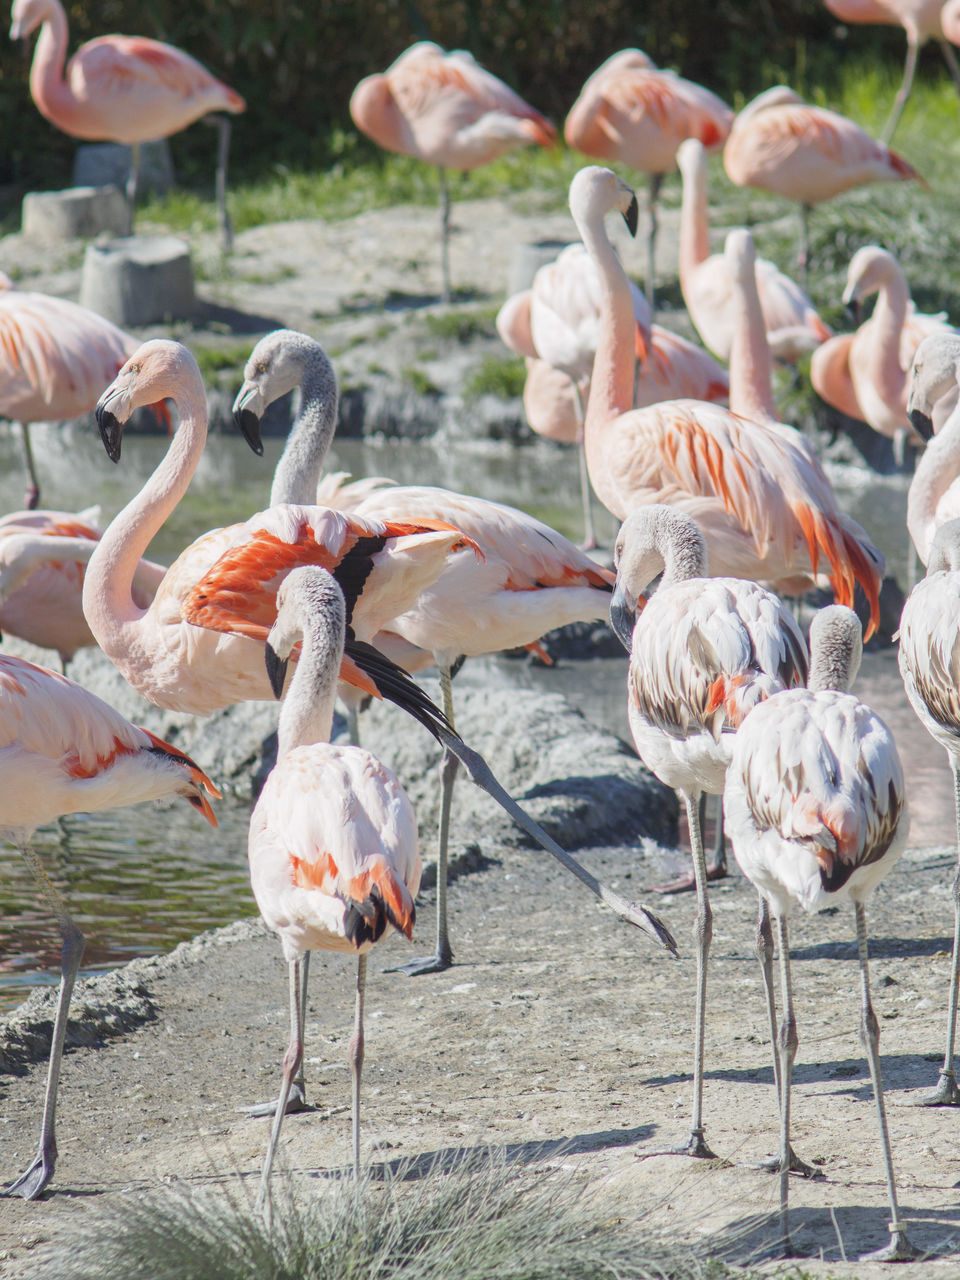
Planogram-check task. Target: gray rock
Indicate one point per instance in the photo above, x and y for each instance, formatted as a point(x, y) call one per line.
point(104, 164)
point(76, 213)
point(138, 280)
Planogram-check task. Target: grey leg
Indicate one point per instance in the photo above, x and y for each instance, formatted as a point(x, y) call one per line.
point(32, 494)
point(356, 1058)
point(297, 1095)
point(223, 149)
point(787, 1046)
point(899, 1249)
point(804, 259)
point(291, 1061)
point(586, 493)
point(903, 93)
point(950, 58)
point(444, 236)
point(946, 1093)
point(133, 183)
point(39, 1172)
point(656, 181)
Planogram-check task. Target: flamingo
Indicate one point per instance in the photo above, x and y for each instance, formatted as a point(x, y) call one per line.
point(865, 374)
point(816, 811)
point(780, 143)
point(42, 554)
point(933, 498)
point(63, 750)
point(766, 508)
point(789, 317)
point(703, 652)
point(55, 359)
point(125, 89)
point(444, 108)
point(922, 20)
point(630, 111)
point(334, 863)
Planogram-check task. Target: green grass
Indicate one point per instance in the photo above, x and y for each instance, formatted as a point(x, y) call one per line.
point(463, 326)
point(496, 377)
point(213, 360)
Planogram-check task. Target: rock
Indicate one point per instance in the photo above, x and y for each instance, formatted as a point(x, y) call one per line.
point(103, 164)
point(77, 213)
point(139, 280)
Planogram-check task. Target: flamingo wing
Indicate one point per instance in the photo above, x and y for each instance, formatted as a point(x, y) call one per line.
point(117, 66)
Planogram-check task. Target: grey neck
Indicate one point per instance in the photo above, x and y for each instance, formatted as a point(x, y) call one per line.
point(301, 464)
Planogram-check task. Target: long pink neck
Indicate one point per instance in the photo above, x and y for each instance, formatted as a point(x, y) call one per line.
point(47, 86)
point(108, 600)
point(751, 368)
point(694, 219)
point(886, 326)
point(938, 468)
point(614, 366)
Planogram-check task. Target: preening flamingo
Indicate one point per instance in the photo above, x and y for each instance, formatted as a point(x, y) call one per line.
point(527, 580)
point(815, 808)
point(63, 750)
point(703, 652)
point(55, 359)
point(334, 863)
point(922, 20)
point(122, 89)
point(780, 143)
point(766, 508)
point(444, 108)
point(789, 317)
point(933, 498)
point(630, 111)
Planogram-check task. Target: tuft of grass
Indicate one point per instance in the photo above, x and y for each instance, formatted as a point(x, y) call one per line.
point(496, 377)
point(421, 383)
point(473, 1218)
point(463, 326)
point(214, 360)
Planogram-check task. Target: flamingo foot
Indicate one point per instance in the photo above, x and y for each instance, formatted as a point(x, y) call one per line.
point(685, 883)
point(440, 960)
point(296, 1102)
point(898, 1250)
point(695, 1146)
point(772, 1165)
point(946, 1094)
point(35, 1177)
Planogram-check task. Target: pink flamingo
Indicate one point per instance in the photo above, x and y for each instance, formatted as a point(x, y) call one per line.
point(55, 359)
point(933, 498)
point(66, 751)
point(780, 143)
point(816, 810)
point(444, 108)
point(922, 20)
point(766, 508)
point(630, 111)
point(790, 318)
point(333, 853)
point(122, 89)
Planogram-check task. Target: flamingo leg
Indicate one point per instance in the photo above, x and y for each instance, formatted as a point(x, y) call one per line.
point(656, 181)
point(899, 1249)
point(950, 58)
point(903, 93)
point(133, 183)
point(442, 958)
point(356, 1058)
point(291, 1061)
point(787, 1048)
point(715, 870)
point(223, 127)
point(803, 261)
point(586, 493)
point(32, 495)
point(703, 934)
point(946, 1093)
point(444, 235)
point(39, 1172)
point(297, 1095)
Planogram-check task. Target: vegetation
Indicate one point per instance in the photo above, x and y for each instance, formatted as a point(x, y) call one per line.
point(496, 377)
point(477, 1219)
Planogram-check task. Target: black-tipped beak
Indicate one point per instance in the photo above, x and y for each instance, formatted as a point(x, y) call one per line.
point(248, 422)
point(922, 424)
point(623, 616)
point(111, 432)
point(632, 216)
point(854, 310)
point(276, 670)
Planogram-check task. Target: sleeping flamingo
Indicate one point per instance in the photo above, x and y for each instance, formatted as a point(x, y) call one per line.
point(703, 652)
point(632, 112)
point(334, 863)
point(789, 317)
point(763, 502)
point(780, 143)
point(123, 89)
point(63, 751)
point(444, 108)
point(816, 811)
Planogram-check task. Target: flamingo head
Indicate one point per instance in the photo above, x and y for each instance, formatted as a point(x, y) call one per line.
point(278, 363)
point(26, 16)
point(596, 191)
point(870, 267)
point(157, 370)
point(310, 609)
point(936, 370)
point(652, 540)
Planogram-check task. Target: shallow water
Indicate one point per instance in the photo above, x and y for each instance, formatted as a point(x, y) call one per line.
point(141, 880)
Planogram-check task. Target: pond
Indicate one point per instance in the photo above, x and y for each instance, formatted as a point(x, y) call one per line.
point(140, 880)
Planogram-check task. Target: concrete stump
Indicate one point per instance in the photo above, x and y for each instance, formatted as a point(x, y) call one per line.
point(527, 259)
point(102, 164)
point(139, 280)
point(78, 212)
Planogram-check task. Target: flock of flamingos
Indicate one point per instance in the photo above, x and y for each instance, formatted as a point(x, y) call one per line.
point(356, 585)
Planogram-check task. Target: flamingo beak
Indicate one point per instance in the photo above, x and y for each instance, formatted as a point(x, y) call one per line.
point(623, 615)
point(631, 216)
point(111, 428)
point(246, 417)
point(922, 424)
point(276, 669)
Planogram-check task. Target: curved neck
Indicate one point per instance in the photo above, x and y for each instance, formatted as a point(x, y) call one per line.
point(886, 326)
point(47, 87)
point(937, 469)
point(108, 601)
point(612, 382)
point(751, 369)
point(301, 463)
point(307, 713)
point(832, 666)
point(694, 218)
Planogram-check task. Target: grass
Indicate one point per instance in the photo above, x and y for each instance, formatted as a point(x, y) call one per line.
point(479, 1218)
point(496, 377)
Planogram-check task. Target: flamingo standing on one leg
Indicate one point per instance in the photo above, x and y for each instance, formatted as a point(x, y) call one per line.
point(703, 652)
point(444, 108)
point(922, 20)
point(123, 89)
point(789, 317)
point(766, 508)
point(815, 807)
point(780, 143)
point(333, 853)
point(63, 750)
point(629, 111)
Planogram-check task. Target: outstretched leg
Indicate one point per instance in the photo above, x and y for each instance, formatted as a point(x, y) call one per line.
point(946, 1093)
point(39, 1172)
point(903, 93)
point(297, 1095)
point(356, 1058)
point(291, 1061)
point(899, 1249)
